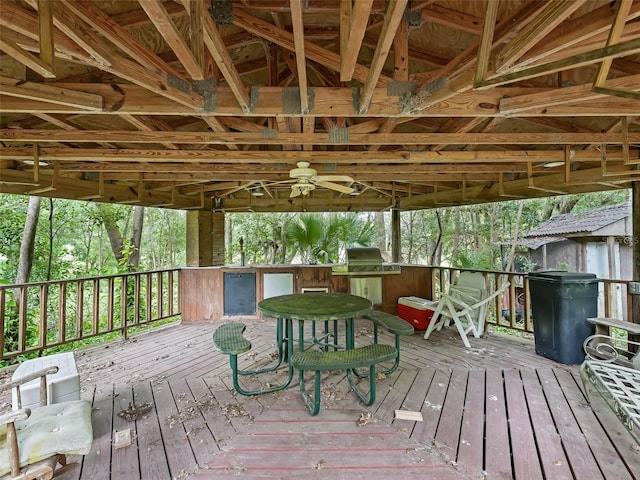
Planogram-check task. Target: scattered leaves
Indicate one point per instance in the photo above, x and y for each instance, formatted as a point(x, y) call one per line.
point(135, 412)
point(364, 419)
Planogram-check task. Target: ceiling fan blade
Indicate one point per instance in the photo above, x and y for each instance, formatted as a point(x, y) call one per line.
point(295, 192)
point(333, 178)
point(335, 186)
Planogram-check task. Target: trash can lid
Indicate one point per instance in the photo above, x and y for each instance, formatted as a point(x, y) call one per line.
point(559, 276)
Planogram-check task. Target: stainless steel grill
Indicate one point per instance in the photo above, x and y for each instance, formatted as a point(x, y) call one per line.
point(365, 261)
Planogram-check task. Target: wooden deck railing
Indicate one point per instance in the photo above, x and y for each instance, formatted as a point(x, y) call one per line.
point(37, 316)
point(513, 309)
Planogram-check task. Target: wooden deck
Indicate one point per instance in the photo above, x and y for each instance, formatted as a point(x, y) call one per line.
point(496, 411)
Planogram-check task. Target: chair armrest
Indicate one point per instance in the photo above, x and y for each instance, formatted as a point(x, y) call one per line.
point(14, 416)
point(27, 378)
point(605, 348)
point(604, 324)
point(493, 295)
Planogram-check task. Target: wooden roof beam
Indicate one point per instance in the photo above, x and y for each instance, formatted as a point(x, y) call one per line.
point(551, 15)
point(15, 51)
point(486, 40)
point(163, 22)
point(75, 27)
point(265, 157)
point(298, 40)
point(614, 36)
point(215, 45)
point(392, 20)
point(283, 138)
point(630, 47)
point(25, 22)
point(45, 30)
point(285, 39)
point(51, 94)
point(119, 36)
point(356, 25)
point(521, 103)
point(65, 125)
point(458, 75)
point(575, 32)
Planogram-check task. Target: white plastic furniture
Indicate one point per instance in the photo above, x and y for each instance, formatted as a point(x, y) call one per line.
point(34, 444)
point(465, 304)
point(62, 386)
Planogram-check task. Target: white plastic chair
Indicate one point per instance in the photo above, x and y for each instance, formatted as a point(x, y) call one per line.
point(465, 304)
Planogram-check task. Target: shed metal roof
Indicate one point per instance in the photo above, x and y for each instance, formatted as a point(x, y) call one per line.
point(586, 222)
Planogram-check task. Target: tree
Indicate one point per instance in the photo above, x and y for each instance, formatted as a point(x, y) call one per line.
point(325, 238)
point(127, 253)
point(25, 262)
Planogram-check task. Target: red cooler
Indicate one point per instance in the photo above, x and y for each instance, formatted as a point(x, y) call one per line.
point(414, 311)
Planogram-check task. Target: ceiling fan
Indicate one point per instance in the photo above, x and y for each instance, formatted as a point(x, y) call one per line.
point(307, 179)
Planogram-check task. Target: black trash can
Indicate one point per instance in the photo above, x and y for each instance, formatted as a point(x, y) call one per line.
point(561, 302)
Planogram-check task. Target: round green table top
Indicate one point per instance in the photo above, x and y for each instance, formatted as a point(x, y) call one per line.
point(315, 306)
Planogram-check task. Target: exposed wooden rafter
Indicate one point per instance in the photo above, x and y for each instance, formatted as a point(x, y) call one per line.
point(423, 103)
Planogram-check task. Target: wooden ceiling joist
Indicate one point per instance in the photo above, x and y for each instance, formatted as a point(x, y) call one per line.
point(352, 29)
point(163, 22)
point(168, 103)
point(321, 157)
point(281, 138)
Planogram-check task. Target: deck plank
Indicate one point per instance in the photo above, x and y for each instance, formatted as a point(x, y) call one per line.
point(125, 458)
point(579, 454)
point(554, 461)
point(153, 461)
point(526, 464)
point(498, 447)
point(470, 447)
point(273, 436)
point(425, 431)
point(178, 451)
point(609, 457)
point(448, 433)
point(97, 464)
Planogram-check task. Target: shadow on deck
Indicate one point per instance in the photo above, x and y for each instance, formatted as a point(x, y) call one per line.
point(495, 411)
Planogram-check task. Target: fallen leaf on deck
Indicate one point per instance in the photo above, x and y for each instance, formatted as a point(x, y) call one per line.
point(135, 412)
point(364, 419)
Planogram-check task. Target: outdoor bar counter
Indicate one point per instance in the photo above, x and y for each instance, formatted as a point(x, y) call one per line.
point(212, 293)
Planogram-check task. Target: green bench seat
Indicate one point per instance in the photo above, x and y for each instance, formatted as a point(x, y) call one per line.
point(348, 360)
point(229, 339)
point(395, 326)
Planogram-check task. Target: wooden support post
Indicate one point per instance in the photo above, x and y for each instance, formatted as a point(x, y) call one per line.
point(396, 237)
point(635, 237)
point(199, 238)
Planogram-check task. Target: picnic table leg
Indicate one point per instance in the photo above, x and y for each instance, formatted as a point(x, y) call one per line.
point(366, 400)
point(280, 342)
point(233, 360)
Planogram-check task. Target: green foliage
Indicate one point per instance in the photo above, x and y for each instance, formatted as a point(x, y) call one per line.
point(306, 238)
point(80, 245)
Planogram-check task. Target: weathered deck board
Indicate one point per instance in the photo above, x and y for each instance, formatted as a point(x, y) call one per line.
point(497, 409)
point(552, 458)
point(470, 454)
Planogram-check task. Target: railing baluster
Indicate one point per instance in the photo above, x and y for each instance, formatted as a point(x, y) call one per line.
point(123, 306)
point(160, 295)
point(95, 314)
point(110, 303)
point(22, 331)
point(170, 298)
point(136, 300)
point(44, 301)
point(149, 304)
point(79, 309)
point(62, 313)
point(3, 319)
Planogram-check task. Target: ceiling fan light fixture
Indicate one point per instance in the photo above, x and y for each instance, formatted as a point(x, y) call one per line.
point(258, 192)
